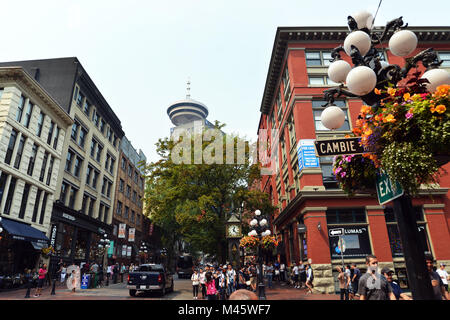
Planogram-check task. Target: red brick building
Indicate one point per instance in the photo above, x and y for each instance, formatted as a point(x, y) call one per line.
point(309, 201)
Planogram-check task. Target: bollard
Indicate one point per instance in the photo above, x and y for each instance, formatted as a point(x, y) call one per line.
point(53, 287)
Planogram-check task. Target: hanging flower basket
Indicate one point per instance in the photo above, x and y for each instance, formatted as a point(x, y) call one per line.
point(249, 243)
point(408, 136)
point(47, 252)
point(269, 242)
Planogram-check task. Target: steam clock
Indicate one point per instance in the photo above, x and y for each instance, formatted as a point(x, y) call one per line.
point(233, 234)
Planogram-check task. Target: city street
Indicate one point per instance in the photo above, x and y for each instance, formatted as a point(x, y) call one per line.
point(182, 291)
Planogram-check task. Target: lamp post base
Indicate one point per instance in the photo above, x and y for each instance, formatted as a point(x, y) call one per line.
point(261, 291)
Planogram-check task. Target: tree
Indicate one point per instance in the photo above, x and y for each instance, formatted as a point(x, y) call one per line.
point(192, 201)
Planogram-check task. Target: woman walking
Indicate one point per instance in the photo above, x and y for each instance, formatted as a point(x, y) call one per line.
point(211, 291)
point(41, 279)
point(195, 278)
point(202, 279)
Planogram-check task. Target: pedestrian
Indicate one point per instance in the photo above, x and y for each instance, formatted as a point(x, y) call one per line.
point(63, 273)
point(276, 271)
point(302, 274)
point(115, 272)
point(231, 280)
point(241, 279)
point(73, 280)
point(354, 281)
point(436, 281)
point(122, 272)
point(283, 271)
point(344, 281)
point(253, 274)
point(202, 279)
point(195, 278)
point(396, 290)
point(211, 292)
point(372, 285)
point(221, 284)
point(269, 274)
point(41, 279)
point(108, 274)
point(295, 274)
point(100, 276)
point(444, 275)
point(309, 278)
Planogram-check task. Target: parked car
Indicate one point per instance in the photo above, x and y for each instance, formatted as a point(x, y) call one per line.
point(150, 277)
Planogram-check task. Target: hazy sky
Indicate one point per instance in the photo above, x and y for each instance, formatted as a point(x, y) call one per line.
point(140, 54)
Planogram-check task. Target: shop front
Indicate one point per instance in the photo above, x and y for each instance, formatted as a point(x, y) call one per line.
point(77, 236)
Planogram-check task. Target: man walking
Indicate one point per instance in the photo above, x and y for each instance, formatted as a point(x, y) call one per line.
point(344, 281)
point(231, 279)
point(436, 281)
point(372, 285)
point(354, 281)
point(444, 275)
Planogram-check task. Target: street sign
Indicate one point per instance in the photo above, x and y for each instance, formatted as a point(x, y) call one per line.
point(335, 147)
point(387, 190)
point(306, 154)
point(336, 232)
point(341, 245)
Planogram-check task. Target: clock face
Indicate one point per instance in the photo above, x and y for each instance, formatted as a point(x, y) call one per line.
point(234, 230)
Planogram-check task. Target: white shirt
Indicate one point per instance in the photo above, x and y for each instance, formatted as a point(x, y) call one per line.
point(202, 277)
point(282, 266)
point(195, 279)
point(295, 270)
point(443, 274)
point(230, 275)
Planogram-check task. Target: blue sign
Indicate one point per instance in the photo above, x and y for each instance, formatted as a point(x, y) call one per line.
point(85, 281)
point(306, 153)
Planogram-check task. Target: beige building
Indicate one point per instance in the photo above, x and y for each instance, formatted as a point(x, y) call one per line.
point(32, 131)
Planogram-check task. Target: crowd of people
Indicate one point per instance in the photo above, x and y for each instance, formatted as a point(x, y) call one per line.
point(215, 282)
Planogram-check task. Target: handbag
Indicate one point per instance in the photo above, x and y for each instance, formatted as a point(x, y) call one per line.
point(248, 282)
point(277, 272)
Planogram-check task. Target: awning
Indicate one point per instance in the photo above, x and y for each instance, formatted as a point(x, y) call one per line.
point(22, 231)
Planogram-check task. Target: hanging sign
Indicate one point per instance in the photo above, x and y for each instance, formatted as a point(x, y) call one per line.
point(131, 233)
point(122, 230)
point(306, 154)
point(336, 147)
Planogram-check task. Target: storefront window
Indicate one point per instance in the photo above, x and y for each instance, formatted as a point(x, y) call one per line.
point(94, 252)
point(355, 240)
point(64, 248)
point(81, 245)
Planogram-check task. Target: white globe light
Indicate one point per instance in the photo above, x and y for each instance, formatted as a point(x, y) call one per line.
point(332, 117)
point(364, 19)
point(253, 233)
point(1, 229)
point(403, 43)
point(338, 70)
point(254, 222)
point(359, 39)
point(436, 77)
point(267, 233)
point(257, 212)
point(361, 80)
point(263, 222)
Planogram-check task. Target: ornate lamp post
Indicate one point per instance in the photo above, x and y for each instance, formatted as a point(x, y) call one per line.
point(143, 251)
point(260, 229)
point(103, 246)
point(370, 72)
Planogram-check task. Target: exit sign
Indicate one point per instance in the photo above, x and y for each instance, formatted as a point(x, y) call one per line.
point(387, 190)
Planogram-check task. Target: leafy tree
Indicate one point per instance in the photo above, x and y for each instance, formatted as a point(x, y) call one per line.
point(191, 202)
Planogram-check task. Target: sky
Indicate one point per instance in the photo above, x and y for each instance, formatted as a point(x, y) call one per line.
point(140, 54)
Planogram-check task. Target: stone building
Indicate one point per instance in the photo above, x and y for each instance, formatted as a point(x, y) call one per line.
point(33, 127)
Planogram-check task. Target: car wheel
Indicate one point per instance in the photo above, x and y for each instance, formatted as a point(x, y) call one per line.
point(133, 293)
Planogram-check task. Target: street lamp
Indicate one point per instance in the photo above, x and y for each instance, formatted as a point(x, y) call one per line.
point(260, 229)
point(368, 73)
point(143, 251)
point(103, 246)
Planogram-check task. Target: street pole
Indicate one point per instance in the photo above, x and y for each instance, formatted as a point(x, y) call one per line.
point(342, 250)
point(413, 251)
point(261, 289)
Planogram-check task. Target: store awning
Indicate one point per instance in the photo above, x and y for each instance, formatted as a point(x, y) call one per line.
point(22, 231)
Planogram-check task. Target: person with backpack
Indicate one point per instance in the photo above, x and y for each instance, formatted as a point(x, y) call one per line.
point(211, 291)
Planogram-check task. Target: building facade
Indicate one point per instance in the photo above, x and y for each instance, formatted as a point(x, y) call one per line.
point(33, 127)
point(128, 218)
point(84, 197)
point(309, 200)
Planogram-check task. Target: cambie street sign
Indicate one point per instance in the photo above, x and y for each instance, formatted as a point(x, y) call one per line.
point(335, 147)
point(387, 190)
point(336, 232)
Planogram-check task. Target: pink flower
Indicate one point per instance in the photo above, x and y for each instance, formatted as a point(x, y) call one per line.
point(408, 115)
point(343, 174)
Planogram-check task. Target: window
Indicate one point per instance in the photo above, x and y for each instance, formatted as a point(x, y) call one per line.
point(50, 169)
point(108, 192)
point(318, 109)
point(108, 157)
point(80, 98)
point(20, 109)
point(111, 165)
point(99, 152)
point(95, 179)
point(28, 114)
point(121, 184)
point(86, 108)
point(119, 208)
point(291, 128)
point(100, 212)
point(63, 193)
point(84, 203)
point(321, 80)
point(106, 215)
point(44, 206)
point(40, 124)
point(11, 144)
point(44, 166)
point(130, 171)
point(136, 175)
point(329, 180)
point(74, 133)
point(134, 196)
point(104, 186)
point(36, 205)
point(445, 57)
point(124, 163)
point(70, 156)
point(88, 174)
point(55, 141)
point(77, 166)
point(91, 207)
point(128, 194)
point(32, 159)
point(95, 117)
point(23, 204)
point(3, 177)
point(82, 137)
point(126, 212)
point(346, 215)
point(109, 134)
point(93, 145)
point(138, 220)
point(286, 84)
point(72, 197)
point(102, 125)
point(10, 196)
point(318, 58)
point(19, 151)
point(50, 132)
point(133, 215)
